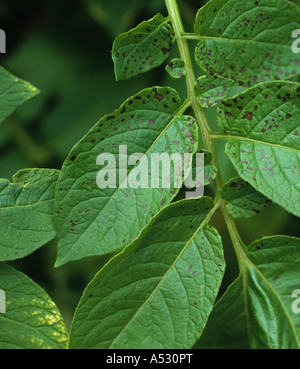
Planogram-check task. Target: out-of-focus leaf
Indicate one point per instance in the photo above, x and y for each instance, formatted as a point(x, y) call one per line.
point(13, 93)
point(26, 212)
point(31, 319)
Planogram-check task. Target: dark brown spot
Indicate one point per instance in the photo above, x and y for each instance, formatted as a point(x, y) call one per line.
point(248, 115)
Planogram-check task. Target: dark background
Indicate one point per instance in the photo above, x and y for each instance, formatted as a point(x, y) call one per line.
point(63, 47)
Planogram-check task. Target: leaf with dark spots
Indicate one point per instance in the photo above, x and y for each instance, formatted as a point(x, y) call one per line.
point(143, 48)
point(157, 95)
point(268, 149)
point(152, 121)
point(211, 90)
point(239, 40)
point(176, 68)
point(248, 115)
point(210, 171)
point(243, 201)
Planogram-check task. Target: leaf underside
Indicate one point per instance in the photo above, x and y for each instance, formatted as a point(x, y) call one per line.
point(264, 123)
point(256, 311)
point(31, 320)
point(93, 221)
point(143, 48)
point(176, 68)
point(26, 212)
point(243, 201)
point(159, 291)
point(211, 90)
point(249, 41)
point(14, 92)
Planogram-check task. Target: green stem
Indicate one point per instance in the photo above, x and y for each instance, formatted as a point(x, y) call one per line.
point(207, 136)
point(190, 83)
point(34, 153)
point(191, 36)
point(238, 244)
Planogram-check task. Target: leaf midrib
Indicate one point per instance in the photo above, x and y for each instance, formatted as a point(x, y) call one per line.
point(213, 38)
point(252, 140)
point(3, 208)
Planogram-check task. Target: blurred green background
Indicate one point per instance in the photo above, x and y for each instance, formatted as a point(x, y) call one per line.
point(64, 49)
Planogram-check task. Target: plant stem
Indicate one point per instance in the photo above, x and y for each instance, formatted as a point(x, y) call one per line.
point(207, 136)
point(34, 153)
point(190, 82)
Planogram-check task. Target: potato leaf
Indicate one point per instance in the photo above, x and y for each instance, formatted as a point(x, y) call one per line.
point(143, 48)
point(211, 90)
point(93, 221)
point(248, 41)
point(176, 68)
point(159, 291)
point(264, 123)
point(243, 200)
point(26, 212)
point(257, 310)
point(31, 319)
point(13, 93)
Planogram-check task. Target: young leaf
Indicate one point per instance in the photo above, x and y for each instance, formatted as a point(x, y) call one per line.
point(243, 199)
point(159, 291)
point(247, 41)
point(14, 92)
point(176, 68)
point(93, 221)
point(210, 90)
point(264, 123)
point(31, 319)
point(257, 310)
point(210, 171)
point(143, 48)
point(26, 212)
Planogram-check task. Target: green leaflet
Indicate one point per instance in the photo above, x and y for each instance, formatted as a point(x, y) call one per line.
point(93, 221)
point(211, 90)
point(13, 93)
point(243, 199)
point(31, 320)
point(264, 123)
point(26, 212)
point(143, 48)
point(257, 310)
point(176, 68)
point(248, 41)
point(159, 291)
point(210, 171)
point(227, 324)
